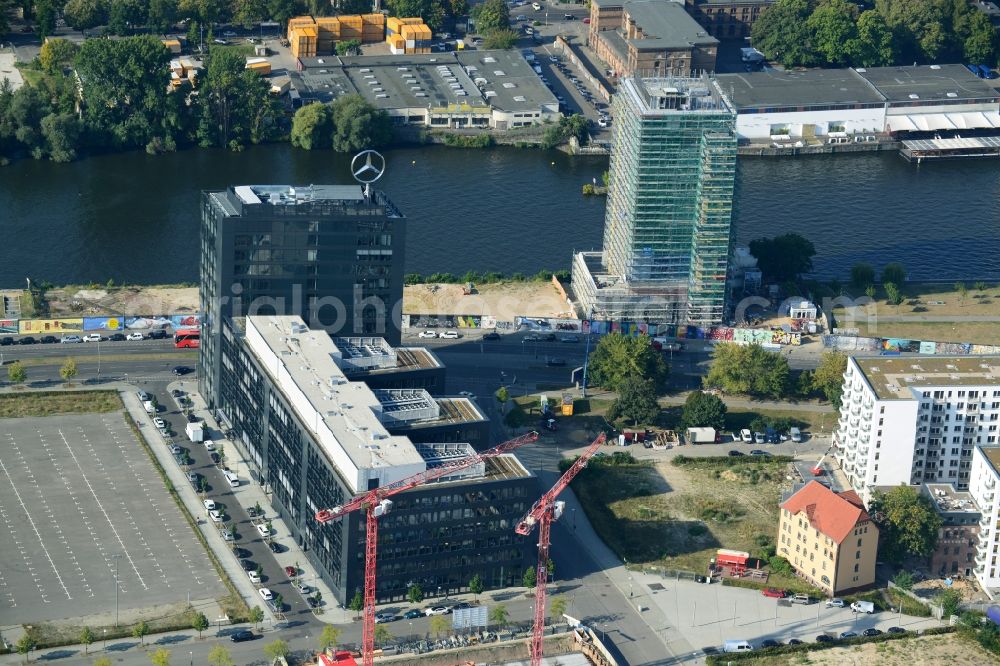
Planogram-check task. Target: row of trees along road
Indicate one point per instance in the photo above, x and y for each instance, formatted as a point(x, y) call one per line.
point(124, 17)
point(631, 367)
point(807, 33)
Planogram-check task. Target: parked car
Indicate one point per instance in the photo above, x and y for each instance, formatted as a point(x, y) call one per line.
point(569, 338)
point(291, 572)
point(758, 452)
point(92, 337)
point(414, 614)
point(871, 631)
point(132, 337)
point(895, 630)
point(158, 334)
point(265, 594)
point(248, 565)
point(427, 334)
point(437, 610)
point(863, 607)
point(209, 504)
point(275, 547)
point(382, 618)
point(734, 454)
point(301, 587)
point(71, 339)
point(116, 337)
point(745, 435)
point(835, 603)
point(216, 516)
point(769, 642)
point(794, 641)
point(493, 335)
point(848, 634)
point(773, 592)
point(49, 339)
point(6, 341)
point(823, 638)
point(241, 636)
point(176, 450)
point(759, 438)
point(450, 335)
point(159, 423)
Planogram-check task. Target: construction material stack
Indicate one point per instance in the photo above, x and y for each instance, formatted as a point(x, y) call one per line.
point(328, 33)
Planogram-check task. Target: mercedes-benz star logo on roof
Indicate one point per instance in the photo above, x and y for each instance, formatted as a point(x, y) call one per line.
point(367, 166)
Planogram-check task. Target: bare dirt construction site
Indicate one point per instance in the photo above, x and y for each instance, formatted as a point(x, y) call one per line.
point(949, 649)
point(82, 302)
point(504, 300)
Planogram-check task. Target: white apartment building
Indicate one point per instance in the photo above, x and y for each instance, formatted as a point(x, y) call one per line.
point(914, 420)
point(983, 483)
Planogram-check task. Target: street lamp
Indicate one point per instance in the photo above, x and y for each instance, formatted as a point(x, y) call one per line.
point(116, 557)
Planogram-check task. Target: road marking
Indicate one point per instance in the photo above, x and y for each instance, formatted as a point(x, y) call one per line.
point(35, 528)
point(101, 507)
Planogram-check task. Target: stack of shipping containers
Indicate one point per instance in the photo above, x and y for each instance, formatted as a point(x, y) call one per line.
point(417, 37)
point(302, 36)
point(350, 27)
point(328, 34)
point(372, 28)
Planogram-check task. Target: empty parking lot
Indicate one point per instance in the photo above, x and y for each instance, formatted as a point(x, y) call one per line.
point(79, 498)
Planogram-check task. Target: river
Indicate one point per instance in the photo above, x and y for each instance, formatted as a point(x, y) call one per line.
point(134, 218)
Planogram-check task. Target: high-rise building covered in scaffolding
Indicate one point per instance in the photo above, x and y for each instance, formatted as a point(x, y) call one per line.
point(668, 226)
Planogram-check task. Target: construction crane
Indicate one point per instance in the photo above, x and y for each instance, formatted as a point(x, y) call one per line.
point(542, 513)
point(376, 503)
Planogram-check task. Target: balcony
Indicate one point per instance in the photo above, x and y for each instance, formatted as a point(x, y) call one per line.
point(981, 557)
point(985, 521)
point(856, 398)
point(863, 452)
point(866, 427)
point(990, 483)
point(988, 496)
point(854, 423)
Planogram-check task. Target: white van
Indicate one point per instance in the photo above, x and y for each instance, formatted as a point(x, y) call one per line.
point(737, 646)
point(234, 481)
point(795, 434)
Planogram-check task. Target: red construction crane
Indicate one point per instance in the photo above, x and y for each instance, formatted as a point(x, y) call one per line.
point(544, 511)
point(817, 469)
point(376, 504)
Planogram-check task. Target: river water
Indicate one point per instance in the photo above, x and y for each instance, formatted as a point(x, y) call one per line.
point(134, 217)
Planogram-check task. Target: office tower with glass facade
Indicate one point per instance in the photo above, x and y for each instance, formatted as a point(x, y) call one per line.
point(328, 253)
point(668, 226)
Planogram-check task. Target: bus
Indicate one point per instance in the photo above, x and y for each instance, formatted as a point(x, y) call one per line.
point(188, 337)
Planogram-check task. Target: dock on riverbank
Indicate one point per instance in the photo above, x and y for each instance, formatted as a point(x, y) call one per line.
point(782, 150)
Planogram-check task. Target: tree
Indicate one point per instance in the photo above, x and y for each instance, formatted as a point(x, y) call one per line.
point(962, 290)
point(903, 580)
point(123, 83)
point(219, 656)
point(874, 46)
point(833, 31)
point(781, 33)
point(16, 372)
point(476, 586)
point(61, 133)
point(619, 359)
point(783, 258)
point(24, 645)
point(237, 107)
point(431, 11)
point(312, 126)
point(161, 657)
point(275, 649)
point(500, 40)
point(557, 607)
point(382, 634)
point(125, 15)
point(161, 14)
point(862, 275)
point(415, 594)
point(56, 53)
point(329, 637)
point(439, 624)
point(894, 273)
point(357, 602)
point(980, 46)
point(748, 369)
point(350, 7)
point(636, 402)
point(870, 291)
point(492, 15)
point(86, 638)
point(83, 14)
point(256, 615)
point(249, 12)
point(45, 17)
point(200, 623)
point(530, 578)
point(949, 600)
point(68, 370)
point(5, 6)
point(358, 125)
point(907, 521)
point(892, 293)
point(502, 395)
point(828, 378)
point(140, 630)
point(457, 8)
point(499, 616)
point(704, 410)
point(348, 47)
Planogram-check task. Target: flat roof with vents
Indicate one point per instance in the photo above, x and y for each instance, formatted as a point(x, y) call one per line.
point(893, 378)
point(901, 86)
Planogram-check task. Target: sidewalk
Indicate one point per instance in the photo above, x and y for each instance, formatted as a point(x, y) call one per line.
point(248, 494)
point(192, 501)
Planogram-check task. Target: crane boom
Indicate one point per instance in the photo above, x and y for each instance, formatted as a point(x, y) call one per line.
point(374, 504)
point(544, 511)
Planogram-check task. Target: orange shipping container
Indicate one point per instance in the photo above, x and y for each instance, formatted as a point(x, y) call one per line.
point(416, 20)
point(393, 24)
point(373, 19)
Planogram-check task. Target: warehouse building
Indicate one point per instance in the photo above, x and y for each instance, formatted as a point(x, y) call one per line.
point(466, 90)
point(855, 105)
point(314, 438)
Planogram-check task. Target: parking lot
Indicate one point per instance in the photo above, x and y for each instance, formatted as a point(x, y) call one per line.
point(80, 499)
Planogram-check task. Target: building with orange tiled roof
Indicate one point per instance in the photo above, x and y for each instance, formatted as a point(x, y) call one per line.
point(828, 538)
